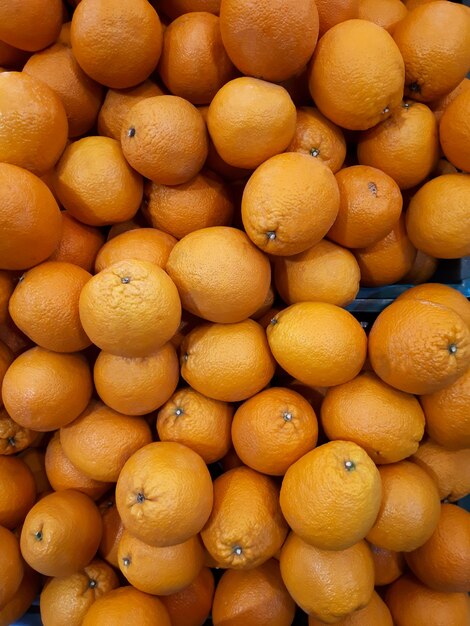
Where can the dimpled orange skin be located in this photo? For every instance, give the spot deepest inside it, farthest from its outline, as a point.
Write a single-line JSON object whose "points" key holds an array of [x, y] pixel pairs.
{"points": [[131, 308], [12, 563], [124, 605], [160, 571], [385, 13], [228, 362], [13, 437], [30, 25], [61, 533], [350, 576], [345, 85], [18, 491], [28, 590], [177, 490], [254, 36], [289, 203], [246, 526], [419, 347], [410, 508], [332, 12], [434, 64], [440, 294], [192, 606], [79, 243], [220, 275], [304, 338], [331, 496], [454, 131], [388, 565], [375, 613], [44, 390]]}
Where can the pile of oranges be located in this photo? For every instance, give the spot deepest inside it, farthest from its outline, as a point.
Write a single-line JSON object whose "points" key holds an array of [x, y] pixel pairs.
{"points": [[192, 425]]}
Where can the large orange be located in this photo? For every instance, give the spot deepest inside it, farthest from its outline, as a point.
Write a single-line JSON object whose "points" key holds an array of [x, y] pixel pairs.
{"points": [[131, 308], [454, 131], [29, 234], [228, 362], [419, 347], [164, 494], [375, 613], [13, 437], [61, 533], [192, 605], [100, 441], [410, 508], [364, 95], [44, 306], [12, 566], [289, 203], [55, 395], [246, 526], [122, 606], [405, 146], [17, 491], [117, 44], [79, 243], [30, 25], [331, 496], [21, 601], [434, 68], [257, 597], [250, 120], [387, 423], [219, 273], [273, 429], [317, 343], [388, 565], [440, 294], [305, 569]]}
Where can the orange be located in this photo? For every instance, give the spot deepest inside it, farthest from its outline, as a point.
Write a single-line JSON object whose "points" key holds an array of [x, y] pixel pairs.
{"points": [[316, 136], [370, 206], [410, 508], [318, 343], [131, 308], [273, 429], [198, 422], [412, 603], [61, 533], [250, 120], [7, 285], [34, 123], [29, 233], [419, 347], [80, 95], [100, 441], [13, 437], [160, 570], [443, 562], [385, 13], [44, 306], [112, 531], [246, 527], [53, 396], [202, 202], [440, 294], [79, 244], [144, 244], [6, 359], [11, 612], [192, 605], [17, 489], [305, 569], [331, 496], [449, 468], [12, 566], [194, 64], [332, 12], [62, 474], [95, 183], [165, 139], [118, 103], [442, 236], [388, 260], [405, 146], [454, 131], [219, 273], [267, 304], [289, 203], [366, 94], [423, 268], [434, 69], [35, 460], [164, 494], [123, 227], [388, 565], [375, 613], [228, 362], [122, 606], [256, 597], [117, 44], [137, 386], [66, 600], [447, 417], [30, 25], [439, 106], [254, 35], [387, 423], [306, 277], [12, 58]]}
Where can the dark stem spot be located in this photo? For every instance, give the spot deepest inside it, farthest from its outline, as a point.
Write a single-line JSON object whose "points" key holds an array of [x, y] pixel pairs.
{"points": [[414, 87], [38, 535], [386, 110], [179, 412], [274, 321], [287, 416], [406, 105], [452, 348], [314, 152], [21, 278], [238, 550], [125, 280], [126, 561], [11, 442], [92, 583], [373, 188], [350, 466], [131, 132], [271, 235], [140, 498], [185, 356]]}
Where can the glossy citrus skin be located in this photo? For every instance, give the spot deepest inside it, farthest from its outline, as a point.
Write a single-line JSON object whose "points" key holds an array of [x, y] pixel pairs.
{"points": [[375, 613], [192, 605], [388, 565], [18, 491], [12, 563], [124, 605]]}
